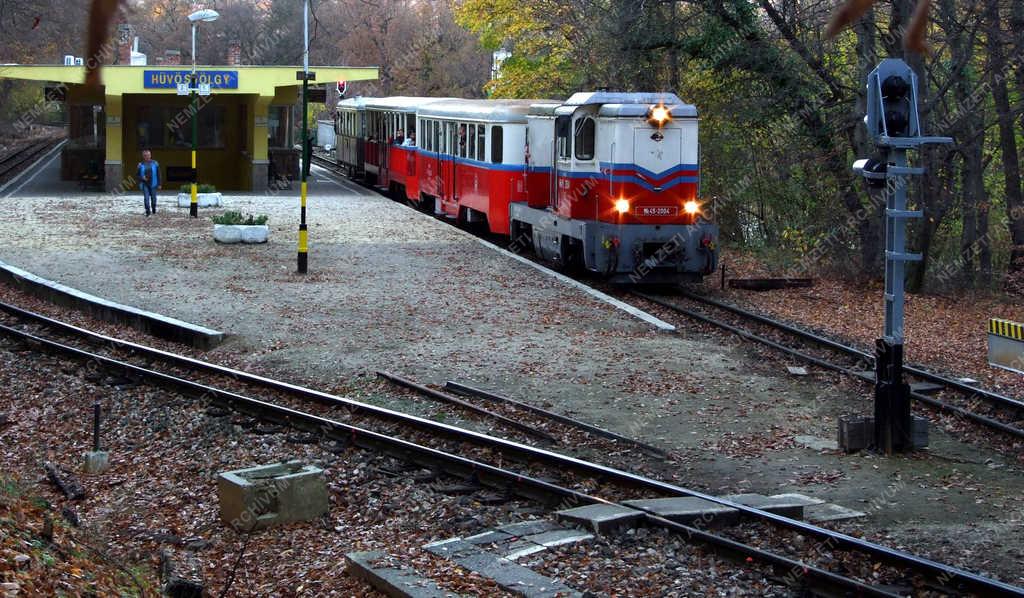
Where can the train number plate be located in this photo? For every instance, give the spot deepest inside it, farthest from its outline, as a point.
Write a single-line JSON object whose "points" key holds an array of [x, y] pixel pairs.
{"points": [[657, 211]]}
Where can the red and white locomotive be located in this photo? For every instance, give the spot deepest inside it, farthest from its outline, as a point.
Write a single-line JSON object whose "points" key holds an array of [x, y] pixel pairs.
{"points": [[604, 181]]}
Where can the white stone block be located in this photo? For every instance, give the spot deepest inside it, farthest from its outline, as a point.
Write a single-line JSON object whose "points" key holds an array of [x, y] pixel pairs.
{"points": [[203, 200], [241, 233]]}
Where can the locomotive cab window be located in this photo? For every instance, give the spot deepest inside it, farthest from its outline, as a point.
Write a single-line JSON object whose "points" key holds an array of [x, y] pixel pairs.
{"points": [[496, 142], [562, 127], [584, 139]]}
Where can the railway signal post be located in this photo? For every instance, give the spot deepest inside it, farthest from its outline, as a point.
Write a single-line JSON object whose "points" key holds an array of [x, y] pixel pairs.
{"points": [[893, 122]]}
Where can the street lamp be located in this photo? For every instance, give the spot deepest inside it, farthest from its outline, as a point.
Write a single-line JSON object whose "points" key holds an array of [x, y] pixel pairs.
{"points": [[305, 76], [199, 16]]}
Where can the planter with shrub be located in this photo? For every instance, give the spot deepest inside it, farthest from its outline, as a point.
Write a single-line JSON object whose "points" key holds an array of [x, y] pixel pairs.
{"points": [[206, 196], [233, 227]]}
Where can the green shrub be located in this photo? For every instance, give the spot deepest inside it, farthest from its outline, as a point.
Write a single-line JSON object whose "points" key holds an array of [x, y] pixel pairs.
{"points": [[232, 217]]}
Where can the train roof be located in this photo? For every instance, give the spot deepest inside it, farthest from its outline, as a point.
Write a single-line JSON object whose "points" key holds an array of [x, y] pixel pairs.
{"points": [[619, 104], [356, 103], [484, 110], [401, 103]]}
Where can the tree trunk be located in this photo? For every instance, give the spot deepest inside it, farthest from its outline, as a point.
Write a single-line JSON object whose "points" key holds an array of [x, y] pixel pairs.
{"points": [[1007, 131]]}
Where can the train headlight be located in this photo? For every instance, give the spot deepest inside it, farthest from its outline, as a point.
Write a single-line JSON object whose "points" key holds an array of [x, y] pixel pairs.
{"points": [[622, 206], [659, 116], [691, 207]]}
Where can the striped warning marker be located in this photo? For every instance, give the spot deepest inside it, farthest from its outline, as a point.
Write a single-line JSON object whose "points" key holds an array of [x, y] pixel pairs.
{"points": [[1007, 328]]}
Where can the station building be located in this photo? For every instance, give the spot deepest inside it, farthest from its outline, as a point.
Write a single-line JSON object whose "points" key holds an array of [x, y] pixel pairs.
{"points": [[246, 128]]}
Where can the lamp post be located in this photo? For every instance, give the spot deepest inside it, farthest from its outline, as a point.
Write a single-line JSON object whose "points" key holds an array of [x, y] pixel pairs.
{"points": [[200, 16], [305, 76]]}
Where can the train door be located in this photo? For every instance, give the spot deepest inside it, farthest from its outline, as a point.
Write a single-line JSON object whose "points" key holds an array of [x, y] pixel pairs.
{"points": [[448, 166], [562, 158]]}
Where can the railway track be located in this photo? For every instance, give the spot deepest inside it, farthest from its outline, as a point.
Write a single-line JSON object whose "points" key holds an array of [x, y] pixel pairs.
{"points": [[936, 391], [835, 564], [986, 408], [12, 163]]}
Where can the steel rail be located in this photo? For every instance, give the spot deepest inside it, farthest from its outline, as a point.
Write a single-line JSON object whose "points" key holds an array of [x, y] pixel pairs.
{"points": [[913, 369], [447, 398], [955, 578], [457, 465], [465, 389], [932, 402]]}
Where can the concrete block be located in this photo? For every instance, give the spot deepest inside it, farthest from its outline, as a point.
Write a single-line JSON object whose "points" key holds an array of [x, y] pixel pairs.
{"points": [[687, 510], [601, 519], [918, 431], [787, 507], [802, 498], [96, 462], [269, 495], [391, 581], [856, 432]]}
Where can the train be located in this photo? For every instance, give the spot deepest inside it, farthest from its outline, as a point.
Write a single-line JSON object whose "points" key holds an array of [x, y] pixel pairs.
{"points": [[605, 182]]}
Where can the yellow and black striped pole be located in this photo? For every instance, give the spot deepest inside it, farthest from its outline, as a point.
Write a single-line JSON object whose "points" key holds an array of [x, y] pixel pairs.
{"points": [[305, 75], [193, 206]]}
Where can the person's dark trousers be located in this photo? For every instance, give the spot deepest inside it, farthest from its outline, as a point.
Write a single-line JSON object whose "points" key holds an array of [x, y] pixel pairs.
{"points": [[149, 198]]}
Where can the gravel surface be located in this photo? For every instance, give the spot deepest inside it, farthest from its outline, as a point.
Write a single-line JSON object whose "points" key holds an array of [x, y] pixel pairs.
{"points": [[391, 289]]}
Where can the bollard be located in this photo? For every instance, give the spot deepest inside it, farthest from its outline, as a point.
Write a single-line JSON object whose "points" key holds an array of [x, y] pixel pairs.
{"points": [[96, 461], [96, 427]]}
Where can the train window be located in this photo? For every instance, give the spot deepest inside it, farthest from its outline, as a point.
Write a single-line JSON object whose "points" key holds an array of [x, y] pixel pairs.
{"points": [[471, 142], [562, 127], [584, 139], [496, 143], [449, 135], [481, 139]]}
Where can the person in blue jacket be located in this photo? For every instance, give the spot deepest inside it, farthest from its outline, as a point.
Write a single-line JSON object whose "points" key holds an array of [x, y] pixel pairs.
{"points": [[149, 177]]}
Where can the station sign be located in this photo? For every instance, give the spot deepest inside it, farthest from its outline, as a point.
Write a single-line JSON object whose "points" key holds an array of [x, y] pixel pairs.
{"points": [[172, 79]]}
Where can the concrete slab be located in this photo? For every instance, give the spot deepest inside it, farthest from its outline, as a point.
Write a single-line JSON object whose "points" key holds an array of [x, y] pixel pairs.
{"points": [[805, 500], [489, 537], [687, 509], [520, 548], [601, 519], [558, 537], [526, 528], [787, 507], [510, 576], [830, 512], [391, 581]]}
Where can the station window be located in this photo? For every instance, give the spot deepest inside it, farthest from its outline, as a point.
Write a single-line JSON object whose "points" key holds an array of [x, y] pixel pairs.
{"points": [[496, 144], [481, 141], [584, 139], [278, 120], [170, 127]]}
